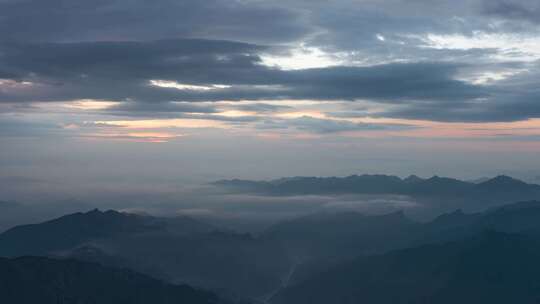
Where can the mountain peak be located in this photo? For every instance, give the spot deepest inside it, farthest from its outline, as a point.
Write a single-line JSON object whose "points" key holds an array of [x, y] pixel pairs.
{"points": [[455, 218], [412, 179], [503, 180], [96, 211], [503, 177], [69, 230], [437, 178]]}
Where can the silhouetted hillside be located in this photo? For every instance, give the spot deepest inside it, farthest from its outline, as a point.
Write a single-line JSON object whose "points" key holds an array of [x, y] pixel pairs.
{"points": [[319, 242], [180, 250], [31, 280], [218, 260], [522, 217], [74, 229], [345, 234], [490, 268]]}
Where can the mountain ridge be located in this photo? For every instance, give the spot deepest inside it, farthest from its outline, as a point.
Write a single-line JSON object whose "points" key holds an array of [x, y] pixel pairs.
{"points": [[378, 184], [492, 267], [29, 280]]}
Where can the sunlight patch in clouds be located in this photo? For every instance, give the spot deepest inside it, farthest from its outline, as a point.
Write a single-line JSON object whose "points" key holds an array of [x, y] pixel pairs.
{"points": [[302, 57], [299, 114], [489, 76], [189, 87], [88, 104], [163, 123], [513, 47], [144, 137], [236, 113], [380, 37], [14, 83]]}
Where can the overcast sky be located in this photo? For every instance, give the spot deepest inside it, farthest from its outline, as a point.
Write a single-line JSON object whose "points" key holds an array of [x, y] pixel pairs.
{"points": [[123, 94]]}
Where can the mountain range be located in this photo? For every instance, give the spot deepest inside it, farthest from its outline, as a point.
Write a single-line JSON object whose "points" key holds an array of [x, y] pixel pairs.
{"points": [[179, 250], [333, 257], [319, 242], [502, 187], [492, 267]]}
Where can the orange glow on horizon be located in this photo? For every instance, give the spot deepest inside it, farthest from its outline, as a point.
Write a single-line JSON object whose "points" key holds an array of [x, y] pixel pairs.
{"points": [[164, 123]]}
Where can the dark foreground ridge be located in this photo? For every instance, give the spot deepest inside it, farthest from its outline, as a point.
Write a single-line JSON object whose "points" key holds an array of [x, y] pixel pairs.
{"points": [[31, 280], [490, 268], [179, 250]]}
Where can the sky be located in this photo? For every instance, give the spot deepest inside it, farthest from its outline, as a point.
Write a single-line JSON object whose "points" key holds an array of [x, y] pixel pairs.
{"points": [[125, 95]]}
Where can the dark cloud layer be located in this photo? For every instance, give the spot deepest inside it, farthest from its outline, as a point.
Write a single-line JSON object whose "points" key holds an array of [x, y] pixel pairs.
{"points": [[328, 126], [517, 10], [59, 50], [123, 70], [98, 20]]}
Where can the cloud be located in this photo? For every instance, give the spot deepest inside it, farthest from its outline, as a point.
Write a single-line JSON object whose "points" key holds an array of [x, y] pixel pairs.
{"points": [[120, 70], [327, 126], [17, 127], [90, 61], [125, 70], [80, 20], [158, 109], [512, 99], [115, 51], [263, 107], [127, 73], [517, 10]]}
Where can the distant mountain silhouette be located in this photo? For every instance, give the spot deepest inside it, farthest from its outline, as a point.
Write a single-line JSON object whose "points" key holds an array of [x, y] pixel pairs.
{"points": [[498, 187], [31, 280], [479, 180], [317, 185], [413, 179], [490, 268], [439, 186], [505, 184]]}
